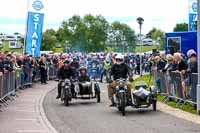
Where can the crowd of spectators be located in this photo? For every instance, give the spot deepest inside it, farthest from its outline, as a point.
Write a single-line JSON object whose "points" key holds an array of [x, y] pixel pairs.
{"points": [[185, 65]]}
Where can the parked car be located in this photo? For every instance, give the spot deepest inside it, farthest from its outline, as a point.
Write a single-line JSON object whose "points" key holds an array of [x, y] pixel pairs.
{"points": [[148, 42]]}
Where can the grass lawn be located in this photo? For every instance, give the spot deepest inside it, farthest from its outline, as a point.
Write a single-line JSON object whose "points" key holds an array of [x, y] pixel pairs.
{"points": [[145, 48], [6, 48], [146, 78]]}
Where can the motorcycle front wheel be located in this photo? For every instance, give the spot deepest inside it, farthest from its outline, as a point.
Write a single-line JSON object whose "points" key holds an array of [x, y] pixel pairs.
{"points": [[66, 101], [122, 103]]}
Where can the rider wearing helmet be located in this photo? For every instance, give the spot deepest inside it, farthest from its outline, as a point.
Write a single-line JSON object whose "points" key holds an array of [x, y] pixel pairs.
{"points": [[75, 66], [65, 72], [84, 81], [119, 70], [83, 75]]}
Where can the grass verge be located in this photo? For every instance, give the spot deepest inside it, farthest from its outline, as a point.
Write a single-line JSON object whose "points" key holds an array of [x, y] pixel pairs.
{"points": [[145, 48], [150, 81], [6, 48]]}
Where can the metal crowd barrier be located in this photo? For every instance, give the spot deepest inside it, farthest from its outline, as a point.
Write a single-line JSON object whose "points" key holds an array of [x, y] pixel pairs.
{"points": [[12, 77], [52, 72], [37, 77], [172, 85], [18, 76], [11, 81], [194, 81], [1, 86], [27, 77]]}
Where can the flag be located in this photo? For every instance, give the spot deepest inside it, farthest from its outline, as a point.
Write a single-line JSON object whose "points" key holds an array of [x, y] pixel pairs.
{"points": [[35, 18], [192, 14]]}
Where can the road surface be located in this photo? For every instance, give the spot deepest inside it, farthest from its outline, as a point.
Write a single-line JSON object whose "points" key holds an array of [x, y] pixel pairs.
{"points": [[87, 116]]}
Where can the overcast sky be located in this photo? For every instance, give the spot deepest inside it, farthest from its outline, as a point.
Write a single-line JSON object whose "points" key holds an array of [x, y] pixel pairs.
{"points": [[163, 14]]}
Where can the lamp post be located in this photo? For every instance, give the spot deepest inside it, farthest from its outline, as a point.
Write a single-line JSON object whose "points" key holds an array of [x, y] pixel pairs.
{"points": [[140, 21], [198, 47]]}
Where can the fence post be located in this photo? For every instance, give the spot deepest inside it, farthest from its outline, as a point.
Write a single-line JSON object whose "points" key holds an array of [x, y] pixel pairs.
{"points": [[198, 48], [198, 99]]}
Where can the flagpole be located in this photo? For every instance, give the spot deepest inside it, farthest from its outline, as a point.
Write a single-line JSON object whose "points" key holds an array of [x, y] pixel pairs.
{"points": [[26, 22]]}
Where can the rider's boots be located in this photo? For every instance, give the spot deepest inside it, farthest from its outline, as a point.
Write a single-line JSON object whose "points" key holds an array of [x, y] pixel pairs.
{"points": [[113, 104], [59, 92]]}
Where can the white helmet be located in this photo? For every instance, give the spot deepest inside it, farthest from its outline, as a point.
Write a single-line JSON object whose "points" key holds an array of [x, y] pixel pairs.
{"points": [[119, 56], [119, 59], [190, 52]]}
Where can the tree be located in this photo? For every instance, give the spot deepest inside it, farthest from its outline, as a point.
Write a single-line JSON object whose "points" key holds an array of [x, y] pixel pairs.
{"points": [[86, 34], [96, 32], [48, 40], [89, 34], [181, 27], [121, 36], [157, 35], [51, 32]]}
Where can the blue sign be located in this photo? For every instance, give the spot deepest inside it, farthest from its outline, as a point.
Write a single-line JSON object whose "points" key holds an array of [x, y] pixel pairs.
{"points": [[34, 33], [38, 5], [194, 7], [192, 14], [192, 20]]}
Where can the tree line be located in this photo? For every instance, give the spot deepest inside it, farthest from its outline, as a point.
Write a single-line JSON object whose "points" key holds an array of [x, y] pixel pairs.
{"points": [[94, 34], [89, 34]]}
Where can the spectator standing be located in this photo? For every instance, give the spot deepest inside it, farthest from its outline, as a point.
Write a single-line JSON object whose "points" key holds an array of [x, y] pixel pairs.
{"points": [[181, 66], [43, 70], [160, 64]]}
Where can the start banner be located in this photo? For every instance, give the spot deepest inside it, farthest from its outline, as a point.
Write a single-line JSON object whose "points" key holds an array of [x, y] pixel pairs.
{"points": [[192, 14], [35, 18]]}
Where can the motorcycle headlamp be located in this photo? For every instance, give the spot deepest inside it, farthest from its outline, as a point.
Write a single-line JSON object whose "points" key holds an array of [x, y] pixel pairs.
{"points": [[117, 87], [63, 84], [121, 84]]}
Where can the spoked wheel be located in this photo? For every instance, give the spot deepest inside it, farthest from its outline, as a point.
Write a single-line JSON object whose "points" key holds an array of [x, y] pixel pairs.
{"points": [[154, 105], [123, 112], [98, 96], [66, 101], [122, 103], [98, 93]]}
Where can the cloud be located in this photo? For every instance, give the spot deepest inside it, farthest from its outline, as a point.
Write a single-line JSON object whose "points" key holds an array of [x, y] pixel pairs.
{"points": [[163, 14]]}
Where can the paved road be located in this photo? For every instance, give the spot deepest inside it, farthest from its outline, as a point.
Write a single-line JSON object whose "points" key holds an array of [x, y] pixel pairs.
{"points": [[91, 117]]}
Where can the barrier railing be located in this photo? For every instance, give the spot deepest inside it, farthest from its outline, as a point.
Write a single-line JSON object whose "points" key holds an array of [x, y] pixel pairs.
{"points": [[27, 76], [1, 86], [11, 81], [173, 85], [18, 77], [52, 72]]}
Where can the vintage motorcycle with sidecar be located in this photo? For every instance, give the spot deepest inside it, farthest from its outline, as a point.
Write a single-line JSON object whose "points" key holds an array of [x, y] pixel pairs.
{"points": [[73, 89], [140, 97]]}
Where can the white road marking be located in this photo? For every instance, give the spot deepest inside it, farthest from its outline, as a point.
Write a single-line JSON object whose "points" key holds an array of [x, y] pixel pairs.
{"points": [[25, 111], [32, 131], [26, 119]]}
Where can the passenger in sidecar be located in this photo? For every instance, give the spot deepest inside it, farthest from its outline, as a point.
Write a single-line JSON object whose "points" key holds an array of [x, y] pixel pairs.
{"points": [[85, 86]]}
